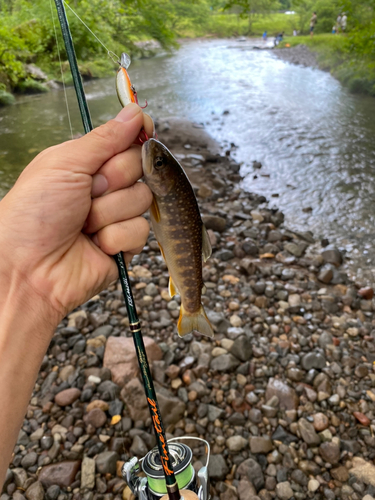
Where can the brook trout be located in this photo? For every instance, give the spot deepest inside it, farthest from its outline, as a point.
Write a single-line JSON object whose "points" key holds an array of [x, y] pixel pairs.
{"points": [[180, 232]]}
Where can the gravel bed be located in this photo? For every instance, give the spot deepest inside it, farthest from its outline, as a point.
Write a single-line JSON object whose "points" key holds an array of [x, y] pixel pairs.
{"points": [[284, 393]]}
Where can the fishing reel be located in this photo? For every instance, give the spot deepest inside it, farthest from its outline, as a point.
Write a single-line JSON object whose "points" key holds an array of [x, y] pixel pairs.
{"points": [[153, 486]]}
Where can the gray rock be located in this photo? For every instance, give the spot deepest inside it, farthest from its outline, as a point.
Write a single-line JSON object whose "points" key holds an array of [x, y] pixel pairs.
{"points": [[241, 348], [332, 255], [287, 396], [313, 360], [308, 433], [325, 275], [23, 438], [260, 444], [213, 412], [284, 490], [19, 477], [35, 491], [53, 492], [29, 460], [280, 434], [214, 222], [217, 468], [138, 447], [106, 462], [287, 274], [171, 408], [224, 254], [299, 477], [253, 471], [105, 330], [88, 473], [325, 339], [236, 443], [224, 363], [330, 452]]}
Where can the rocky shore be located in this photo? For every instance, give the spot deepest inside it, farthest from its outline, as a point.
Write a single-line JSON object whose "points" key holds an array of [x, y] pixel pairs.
{"points": [[285, 393], [300, 54]]}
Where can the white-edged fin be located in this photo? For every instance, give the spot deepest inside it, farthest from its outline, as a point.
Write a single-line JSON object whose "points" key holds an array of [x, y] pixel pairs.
{"points": [[206, 244], [199, 322], [172, 287]]}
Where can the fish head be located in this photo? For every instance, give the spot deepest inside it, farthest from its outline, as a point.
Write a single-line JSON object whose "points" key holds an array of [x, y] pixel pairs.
{"points": [[159, 167]]}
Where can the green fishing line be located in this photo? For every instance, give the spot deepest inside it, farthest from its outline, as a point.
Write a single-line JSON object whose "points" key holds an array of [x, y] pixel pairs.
{"points": [[183, 479]]}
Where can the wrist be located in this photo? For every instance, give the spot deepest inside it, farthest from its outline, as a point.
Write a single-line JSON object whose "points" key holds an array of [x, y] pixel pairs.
{"points": [[26, 327]]}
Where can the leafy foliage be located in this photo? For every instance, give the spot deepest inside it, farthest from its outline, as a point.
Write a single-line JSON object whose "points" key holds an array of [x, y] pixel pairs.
{"points": [[251, 8]]}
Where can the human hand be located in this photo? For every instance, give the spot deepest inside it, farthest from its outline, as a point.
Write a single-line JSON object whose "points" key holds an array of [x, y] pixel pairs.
{"points": [[55, 240]]}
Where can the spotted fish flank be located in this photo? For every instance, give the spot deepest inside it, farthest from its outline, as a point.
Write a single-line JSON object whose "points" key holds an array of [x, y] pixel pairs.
{"points": [[180, 232]]}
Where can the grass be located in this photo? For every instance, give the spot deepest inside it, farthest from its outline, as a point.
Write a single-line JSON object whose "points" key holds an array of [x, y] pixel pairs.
{"points": [[228, 25], [333, 54]]}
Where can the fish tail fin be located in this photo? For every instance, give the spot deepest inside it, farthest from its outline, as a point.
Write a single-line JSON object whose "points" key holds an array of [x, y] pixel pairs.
{"points": [[198, 321]]}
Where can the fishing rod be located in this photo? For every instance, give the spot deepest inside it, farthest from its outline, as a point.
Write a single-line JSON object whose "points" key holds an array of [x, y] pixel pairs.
{"points": [[162, 460]]}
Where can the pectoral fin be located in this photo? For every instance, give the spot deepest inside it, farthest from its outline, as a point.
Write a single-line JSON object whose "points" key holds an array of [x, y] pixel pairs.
{"points": [[154, 210], [206, 244], [172, 288], [199, 322]]}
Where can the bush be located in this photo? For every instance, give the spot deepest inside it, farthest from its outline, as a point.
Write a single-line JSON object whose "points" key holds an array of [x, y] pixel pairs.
{"points": [[30, 86], [6, 98]]}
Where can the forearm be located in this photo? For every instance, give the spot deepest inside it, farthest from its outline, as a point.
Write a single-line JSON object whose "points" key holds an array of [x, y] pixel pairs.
{"points": [[26, 327]]}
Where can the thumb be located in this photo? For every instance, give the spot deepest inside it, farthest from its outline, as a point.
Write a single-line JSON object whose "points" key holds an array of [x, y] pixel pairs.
{"points": [[90, 152]]}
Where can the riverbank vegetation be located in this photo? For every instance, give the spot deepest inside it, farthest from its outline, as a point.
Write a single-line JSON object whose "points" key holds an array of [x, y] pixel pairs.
{"points": [[29, 56]]}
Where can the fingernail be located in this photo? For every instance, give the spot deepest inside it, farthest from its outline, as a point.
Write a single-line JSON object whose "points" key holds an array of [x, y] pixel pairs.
{"points": [[99, 185], [127, 113]]}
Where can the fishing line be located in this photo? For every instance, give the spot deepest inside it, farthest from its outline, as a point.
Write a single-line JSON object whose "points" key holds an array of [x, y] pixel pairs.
{"points": [[110, 53], [61, 69]]}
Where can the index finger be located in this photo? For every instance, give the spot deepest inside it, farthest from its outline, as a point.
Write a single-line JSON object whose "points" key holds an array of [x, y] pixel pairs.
{"points": [[90, 152]]}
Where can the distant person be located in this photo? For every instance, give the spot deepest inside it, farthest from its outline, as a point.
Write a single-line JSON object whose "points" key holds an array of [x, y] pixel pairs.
{"points": [[278, 38], [344, 20], [264, 36], [334, 29], [295, 32], [313, 22], [338, 23]]}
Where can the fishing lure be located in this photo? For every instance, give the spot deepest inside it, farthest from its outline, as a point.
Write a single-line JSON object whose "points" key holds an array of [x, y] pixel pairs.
{"points": [[124, 88]]}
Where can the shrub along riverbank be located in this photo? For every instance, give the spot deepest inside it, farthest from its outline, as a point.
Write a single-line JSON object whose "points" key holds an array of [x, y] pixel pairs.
{"points": [[344, 57], [27, 36]]}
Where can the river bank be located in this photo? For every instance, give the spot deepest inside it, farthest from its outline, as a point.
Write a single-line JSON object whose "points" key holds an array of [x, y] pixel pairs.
{"points": [[335, 54], [284, 393]]}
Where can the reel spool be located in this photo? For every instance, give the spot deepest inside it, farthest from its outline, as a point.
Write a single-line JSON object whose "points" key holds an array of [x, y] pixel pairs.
{"points": [[153, 487]]}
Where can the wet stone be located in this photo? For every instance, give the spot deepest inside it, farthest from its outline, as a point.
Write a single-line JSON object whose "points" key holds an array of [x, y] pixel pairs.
{"points": [[106, 462]]}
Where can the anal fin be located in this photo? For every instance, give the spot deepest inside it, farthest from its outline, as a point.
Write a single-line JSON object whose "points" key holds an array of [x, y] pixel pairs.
{"points": [[172, 288]]}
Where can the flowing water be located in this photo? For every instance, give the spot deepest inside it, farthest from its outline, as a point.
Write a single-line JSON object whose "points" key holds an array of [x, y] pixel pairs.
{"points": [[314, 140]]}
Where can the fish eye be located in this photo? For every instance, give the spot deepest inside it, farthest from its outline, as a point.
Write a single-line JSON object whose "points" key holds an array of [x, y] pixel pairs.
{"points": [[159, 162]]}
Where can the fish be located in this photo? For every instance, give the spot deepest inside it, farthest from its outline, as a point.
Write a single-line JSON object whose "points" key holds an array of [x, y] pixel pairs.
{"points": [[180, 233]]}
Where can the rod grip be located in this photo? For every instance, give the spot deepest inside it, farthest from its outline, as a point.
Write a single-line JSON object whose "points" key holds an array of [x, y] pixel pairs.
{"points": [[185, 494]]}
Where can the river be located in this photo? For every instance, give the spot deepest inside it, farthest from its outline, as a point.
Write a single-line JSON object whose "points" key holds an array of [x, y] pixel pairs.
{"points": [[314, 140]]}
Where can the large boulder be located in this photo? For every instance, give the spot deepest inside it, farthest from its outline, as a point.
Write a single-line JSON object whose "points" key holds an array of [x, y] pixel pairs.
{"points": [[120, 357]]}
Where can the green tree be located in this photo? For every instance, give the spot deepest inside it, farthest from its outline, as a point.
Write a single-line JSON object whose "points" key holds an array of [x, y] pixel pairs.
{"points": [[252, 8]]}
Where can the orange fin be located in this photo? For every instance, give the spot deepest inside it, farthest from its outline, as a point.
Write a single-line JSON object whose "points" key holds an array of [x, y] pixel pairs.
{"points": [[161, 251], [172, 287], [154, 209], [199, 322]]}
